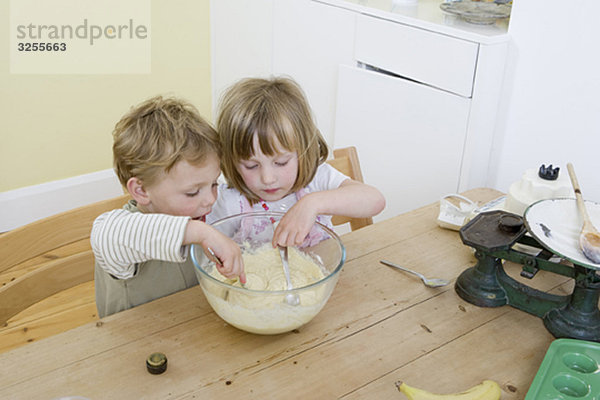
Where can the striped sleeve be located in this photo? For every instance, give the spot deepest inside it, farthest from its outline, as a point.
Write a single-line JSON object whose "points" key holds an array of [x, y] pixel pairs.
{"points": [[121, 239]]}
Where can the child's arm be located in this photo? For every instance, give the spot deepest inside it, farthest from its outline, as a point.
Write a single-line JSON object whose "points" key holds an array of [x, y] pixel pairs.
{"points": [[121, 239], [351, 199]]}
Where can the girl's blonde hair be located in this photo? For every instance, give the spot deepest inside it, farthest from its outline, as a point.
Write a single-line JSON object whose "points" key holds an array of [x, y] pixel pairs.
{"points": [[153, 136], [277, 112]]}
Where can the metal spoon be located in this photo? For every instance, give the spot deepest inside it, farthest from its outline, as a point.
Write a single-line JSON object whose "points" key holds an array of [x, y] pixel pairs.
{"points": [[291, 298], [589, 239], [430, 282]]}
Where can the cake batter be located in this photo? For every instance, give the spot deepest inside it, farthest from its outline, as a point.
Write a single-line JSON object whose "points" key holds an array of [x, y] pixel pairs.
{"points": [[261, 312]]}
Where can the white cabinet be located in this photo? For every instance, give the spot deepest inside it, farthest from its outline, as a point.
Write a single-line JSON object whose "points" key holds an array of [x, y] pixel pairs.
{"points": [[415, 91], [310, 41], [303, 39], [420, 106], [410, 137], [241, 42], [438, 60]]}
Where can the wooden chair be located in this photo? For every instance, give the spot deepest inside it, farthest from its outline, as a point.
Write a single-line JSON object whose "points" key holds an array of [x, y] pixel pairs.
{"points": [[44, 258], [346, 161]]}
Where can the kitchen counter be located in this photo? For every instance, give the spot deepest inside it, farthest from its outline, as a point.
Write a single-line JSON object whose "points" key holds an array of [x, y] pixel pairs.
{"points": [[380, 326], [426, 14]]}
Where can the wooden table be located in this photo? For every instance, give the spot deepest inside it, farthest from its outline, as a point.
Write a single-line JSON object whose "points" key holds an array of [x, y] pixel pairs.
{"points": [[380, 326]]}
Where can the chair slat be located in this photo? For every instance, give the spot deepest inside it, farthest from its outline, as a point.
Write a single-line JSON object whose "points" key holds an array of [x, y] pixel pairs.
{"points": [[47, 234], [50, 279]]}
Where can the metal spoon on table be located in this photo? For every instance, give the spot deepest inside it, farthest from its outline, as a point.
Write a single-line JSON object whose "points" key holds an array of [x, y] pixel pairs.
{"points": [[430, 282], [291, 298]]}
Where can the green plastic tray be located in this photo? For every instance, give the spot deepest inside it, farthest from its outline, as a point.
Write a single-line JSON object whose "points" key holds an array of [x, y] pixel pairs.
{"points": [[570, 370]]}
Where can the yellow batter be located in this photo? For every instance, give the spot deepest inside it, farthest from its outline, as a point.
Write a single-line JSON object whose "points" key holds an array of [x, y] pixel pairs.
{"points": [[264, 270], [262, 312]]}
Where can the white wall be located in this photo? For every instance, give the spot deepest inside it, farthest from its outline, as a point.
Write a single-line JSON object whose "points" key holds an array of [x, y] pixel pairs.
{"points": [[550, 111]]}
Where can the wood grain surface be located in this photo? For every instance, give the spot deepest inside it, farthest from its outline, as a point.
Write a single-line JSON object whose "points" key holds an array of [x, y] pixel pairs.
{"points": [[379, 326]]}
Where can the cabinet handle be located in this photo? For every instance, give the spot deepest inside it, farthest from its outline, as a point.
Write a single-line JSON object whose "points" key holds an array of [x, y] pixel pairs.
{"points": [[382, 71]]}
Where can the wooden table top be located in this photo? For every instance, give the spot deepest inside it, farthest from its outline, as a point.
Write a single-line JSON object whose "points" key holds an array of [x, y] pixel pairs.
{"points": [[380, 326]]}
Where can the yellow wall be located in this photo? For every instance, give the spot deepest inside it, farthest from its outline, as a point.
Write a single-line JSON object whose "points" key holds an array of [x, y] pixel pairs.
{"points": [[58, 126]]}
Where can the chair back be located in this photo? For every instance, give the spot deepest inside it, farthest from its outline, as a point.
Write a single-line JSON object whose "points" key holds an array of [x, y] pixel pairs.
{"points": [[48, 256], [346, 161]]}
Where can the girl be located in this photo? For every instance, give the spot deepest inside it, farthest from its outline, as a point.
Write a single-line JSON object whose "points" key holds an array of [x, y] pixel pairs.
{"points": [[273, 157]]}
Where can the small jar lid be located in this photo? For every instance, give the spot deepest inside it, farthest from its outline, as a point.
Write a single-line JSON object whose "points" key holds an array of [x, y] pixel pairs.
{"points": [[156, 363]]}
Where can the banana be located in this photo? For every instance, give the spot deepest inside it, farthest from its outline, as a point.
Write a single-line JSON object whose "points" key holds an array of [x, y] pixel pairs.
{"points": [[486, 390]]}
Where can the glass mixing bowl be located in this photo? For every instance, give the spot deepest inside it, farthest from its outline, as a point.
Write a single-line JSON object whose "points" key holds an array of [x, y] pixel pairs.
{"points": [[260, 306]]}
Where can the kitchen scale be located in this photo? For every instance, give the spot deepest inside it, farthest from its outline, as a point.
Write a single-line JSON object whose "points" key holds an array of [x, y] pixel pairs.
{"points": [[545, 238]]}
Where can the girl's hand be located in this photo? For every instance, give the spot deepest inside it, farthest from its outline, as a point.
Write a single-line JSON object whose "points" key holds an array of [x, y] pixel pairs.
{"points": [[353, 199], [296, 224]]}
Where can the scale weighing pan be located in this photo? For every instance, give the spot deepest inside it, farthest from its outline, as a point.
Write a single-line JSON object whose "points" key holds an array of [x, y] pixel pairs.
{"points": [[556, 224]]}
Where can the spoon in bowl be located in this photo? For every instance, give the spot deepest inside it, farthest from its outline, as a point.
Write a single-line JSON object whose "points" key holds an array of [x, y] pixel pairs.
{"points": [[589, 239], [291, 298], [429, 282]]}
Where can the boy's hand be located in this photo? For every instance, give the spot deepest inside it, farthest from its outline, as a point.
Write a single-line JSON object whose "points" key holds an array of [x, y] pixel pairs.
{"points": [[226, 250], [229, 256]]}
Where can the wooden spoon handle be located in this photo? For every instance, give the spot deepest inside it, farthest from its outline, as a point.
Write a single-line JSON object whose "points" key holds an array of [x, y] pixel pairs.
{"points": [[578, 196]]}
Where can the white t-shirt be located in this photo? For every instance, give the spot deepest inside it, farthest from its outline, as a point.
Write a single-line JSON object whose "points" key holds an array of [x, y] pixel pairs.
{"points": [[231, 201]]}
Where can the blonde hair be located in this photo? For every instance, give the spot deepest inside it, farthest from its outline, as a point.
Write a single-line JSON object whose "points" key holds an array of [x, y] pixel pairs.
{"points": [[277, 112], [153, 136]]}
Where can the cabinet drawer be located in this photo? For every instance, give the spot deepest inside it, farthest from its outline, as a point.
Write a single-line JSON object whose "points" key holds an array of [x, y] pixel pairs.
{"points": [[431, 58]]}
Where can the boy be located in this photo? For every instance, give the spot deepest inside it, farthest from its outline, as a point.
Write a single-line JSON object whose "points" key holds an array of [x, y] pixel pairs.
{"points": [[167, 157]]}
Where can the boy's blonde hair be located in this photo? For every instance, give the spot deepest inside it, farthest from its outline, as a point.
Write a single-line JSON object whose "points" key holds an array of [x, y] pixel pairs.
{"points": [[153, 136], [277, 112]]}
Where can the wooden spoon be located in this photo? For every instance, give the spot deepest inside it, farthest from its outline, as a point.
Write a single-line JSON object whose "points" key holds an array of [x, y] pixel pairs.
{"points": [[589, 239]]}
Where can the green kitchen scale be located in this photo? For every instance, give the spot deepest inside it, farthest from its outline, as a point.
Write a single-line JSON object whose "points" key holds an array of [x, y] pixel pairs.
{"points": [[545, 238]]}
